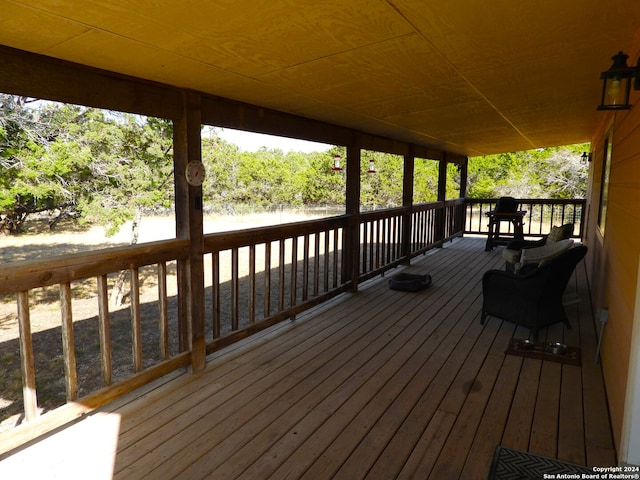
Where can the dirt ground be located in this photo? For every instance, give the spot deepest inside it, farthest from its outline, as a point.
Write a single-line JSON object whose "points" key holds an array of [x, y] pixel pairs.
{"points": [[39, 242]]}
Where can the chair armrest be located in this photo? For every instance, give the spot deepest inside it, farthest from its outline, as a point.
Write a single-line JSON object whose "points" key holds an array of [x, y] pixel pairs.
{"points": [[504, 283]]}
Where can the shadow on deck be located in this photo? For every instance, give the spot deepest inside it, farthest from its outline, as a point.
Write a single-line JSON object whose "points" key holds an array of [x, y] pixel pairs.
{"points": [[376, 384]]}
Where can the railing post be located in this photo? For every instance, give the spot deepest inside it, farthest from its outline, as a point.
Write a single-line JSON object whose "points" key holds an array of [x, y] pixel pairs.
{"points": [[407, 203], [442, 196], [187, 147], [464, 175]]}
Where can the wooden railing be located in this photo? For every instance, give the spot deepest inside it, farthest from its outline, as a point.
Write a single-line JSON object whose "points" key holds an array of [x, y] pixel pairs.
{"points": [[542, 214], [104, 376], [253, 279], [263, 275]]}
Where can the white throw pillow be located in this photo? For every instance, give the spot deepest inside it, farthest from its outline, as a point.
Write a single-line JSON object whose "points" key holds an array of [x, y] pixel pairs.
{"points": [[544, 253]]}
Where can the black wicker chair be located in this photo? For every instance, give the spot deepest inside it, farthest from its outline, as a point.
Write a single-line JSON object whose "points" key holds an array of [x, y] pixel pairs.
{"points": [[533, 299]]}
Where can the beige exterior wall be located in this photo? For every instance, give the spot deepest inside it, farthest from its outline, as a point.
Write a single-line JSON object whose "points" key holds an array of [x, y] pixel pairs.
{"points": [[613, 254]]}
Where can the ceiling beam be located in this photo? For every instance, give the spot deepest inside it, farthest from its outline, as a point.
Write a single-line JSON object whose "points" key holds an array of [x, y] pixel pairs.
{"points": [[39, 76]]}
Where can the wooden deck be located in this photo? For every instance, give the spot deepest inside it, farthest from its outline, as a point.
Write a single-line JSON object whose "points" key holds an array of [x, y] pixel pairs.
{"points": [[378, 384]]}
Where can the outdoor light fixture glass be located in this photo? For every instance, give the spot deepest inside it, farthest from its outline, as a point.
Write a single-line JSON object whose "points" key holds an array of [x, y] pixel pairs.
{"points": [[372, 167], [336, 163], [616, 83]]}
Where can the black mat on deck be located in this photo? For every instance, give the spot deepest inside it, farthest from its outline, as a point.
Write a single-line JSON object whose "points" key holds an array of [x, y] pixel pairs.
{"points": [[508, 464]]}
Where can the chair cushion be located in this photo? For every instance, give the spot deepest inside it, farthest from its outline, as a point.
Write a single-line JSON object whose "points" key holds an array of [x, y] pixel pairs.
{"points": [[545, 253], [511, 255]]}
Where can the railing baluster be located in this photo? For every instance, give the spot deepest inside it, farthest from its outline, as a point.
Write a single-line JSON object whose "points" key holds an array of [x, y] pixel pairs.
{"points": [[294, 271], [235, 294], [281, 263], [305, 267], [375, 244], [136, 324], [326, 260], [68, 351], [365, 242], [267, 279], [163, 311], [105, 329], [384, 241], [29, 396], [215, 294], [316, 263], [336, 266], [252, 283]]}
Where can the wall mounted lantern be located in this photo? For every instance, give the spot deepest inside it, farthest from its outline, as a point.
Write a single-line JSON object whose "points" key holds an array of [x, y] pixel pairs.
{"points": [[585, 157], [336, 163], [372, 167], [616, 83]]}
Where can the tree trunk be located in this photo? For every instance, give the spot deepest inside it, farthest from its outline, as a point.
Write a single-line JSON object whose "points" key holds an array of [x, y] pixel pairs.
{"points": [[117, 292]]}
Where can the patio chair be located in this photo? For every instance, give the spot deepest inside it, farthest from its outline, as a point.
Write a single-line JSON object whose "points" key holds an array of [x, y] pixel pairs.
{"points": [[506, 210], [532, 299]]}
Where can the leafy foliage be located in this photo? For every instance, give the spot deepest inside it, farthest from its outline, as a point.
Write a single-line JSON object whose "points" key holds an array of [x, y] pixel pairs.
{"points": [[85, 163], [556, 172], [107, 167]]}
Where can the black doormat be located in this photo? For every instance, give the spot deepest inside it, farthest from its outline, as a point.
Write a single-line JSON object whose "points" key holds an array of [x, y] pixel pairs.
{"points": [[571, 355], [508, 464], [409, 282]]}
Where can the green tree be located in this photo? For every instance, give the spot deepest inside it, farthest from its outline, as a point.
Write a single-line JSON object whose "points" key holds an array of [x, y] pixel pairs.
{"points": [[40, 169], [382, 189], [132, 168], [425, 180], [555, 172], [320, 184]]}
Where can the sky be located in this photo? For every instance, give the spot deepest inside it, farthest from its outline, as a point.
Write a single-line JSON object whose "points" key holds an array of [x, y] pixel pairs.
{"points": [[251, 142]]}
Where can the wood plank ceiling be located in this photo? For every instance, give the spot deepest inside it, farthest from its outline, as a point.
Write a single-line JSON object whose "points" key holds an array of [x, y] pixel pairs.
{"points": [[473, 77]]}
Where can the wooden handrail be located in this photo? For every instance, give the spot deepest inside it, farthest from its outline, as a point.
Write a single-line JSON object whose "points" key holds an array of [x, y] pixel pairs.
{"points": [[275, 273], [29, 274], [542, 214]]}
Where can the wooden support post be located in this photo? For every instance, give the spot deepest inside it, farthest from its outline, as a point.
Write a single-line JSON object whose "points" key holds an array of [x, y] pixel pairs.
{"points": [[464, 172], [68, 344], [351, 238], [27, 363], [105, 330], [407, 203], [187, 147], [442, 196]]}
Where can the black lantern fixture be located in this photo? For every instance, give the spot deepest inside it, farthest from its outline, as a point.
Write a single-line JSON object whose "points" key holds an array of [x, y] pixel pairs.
{"points": [[617, 83], [585, 157]]}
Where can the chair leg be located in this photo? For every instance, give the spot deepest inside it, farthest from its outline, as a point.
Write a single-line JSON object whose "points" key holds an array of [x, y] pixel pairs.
{"points": [[483, 317]]}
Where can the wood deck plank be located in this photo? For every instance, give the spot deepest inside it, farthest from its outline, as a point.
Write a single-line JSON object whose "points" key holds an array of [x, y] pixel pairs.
{"points": [[545, 419], [372, 335], [599, 450], [263, 387], [302, 457], [373, 384], [493, 420], [226, 374]]}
